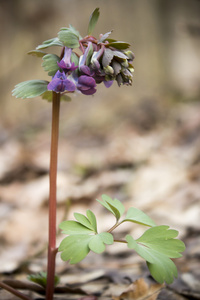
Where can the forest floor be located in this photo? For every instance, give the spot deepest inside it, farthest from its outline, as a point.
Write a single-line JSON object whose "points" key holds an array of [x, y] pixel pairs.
{"points": [[148, 157]]}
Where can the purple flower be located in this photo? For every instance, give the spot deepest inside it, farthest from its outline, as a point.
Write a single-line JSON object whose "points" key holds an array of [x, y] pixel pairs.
{"points": [[86, 85], [66, 63], [60, 83], [87, 71], [108, 83], [84, 57]]}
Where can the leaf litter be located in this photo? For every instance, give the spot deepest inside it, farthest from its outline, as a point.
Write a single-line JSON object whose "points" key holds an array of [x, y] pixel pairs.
{"points": [[154, 168]]}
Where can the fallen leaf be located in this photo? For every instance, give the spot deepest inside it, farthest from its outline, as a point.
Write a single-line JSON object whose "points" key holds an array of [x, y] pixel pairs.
{"points": [[140, 290]]}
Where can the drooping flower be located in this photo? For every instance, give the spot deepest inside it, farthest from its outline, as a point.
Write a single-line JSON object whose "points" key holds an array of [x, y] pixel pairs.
{"points": [[86, 85], [65, 64], [84, 59], [61, 83], [108, 83]]}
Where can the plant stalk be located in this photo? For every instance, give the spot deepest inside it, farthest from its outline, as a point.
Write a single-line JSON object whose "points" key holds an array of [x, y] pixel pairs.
{"points": [[113, 227], [52, 250], [14, 291]]}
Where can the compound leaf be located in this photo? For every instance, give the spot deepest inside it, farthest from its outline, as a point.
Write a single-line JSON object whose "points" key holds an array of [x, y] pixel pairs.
{"points": [[68, 38], [30, 89], [118, 45], [50, 43], [98, 241], [113, 205], [65, 98], [96, 244], [72, 30], [92, 219], [137, 216], [161, 239], [160, 266], [48, 95], [50, 63], [75, 247], [107, 238], [93, 20], [142, 251], [37, 53], [73, 227], [164, 270], [157, 245], [85, 221]]}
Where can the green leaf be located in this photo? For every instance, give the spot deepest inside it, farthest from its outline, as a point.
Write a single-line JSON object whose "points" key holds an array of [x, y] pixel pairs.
{"points": [[98, 241], [41, 278], [50, 43], [73, 30], [65, 98], [157, 245], [85, 221], [93, 20], [68, 38], [104, 37], [111, 40], [75, 248], [118, 45], [37, 53], [92, 219], [107, 238], [160, 266], [137, 216], [73, 227], [142, 251], [48, 95], [161, 238], [96, 244], [50, 64], [30, 89], [114, 206], [164, 270]]}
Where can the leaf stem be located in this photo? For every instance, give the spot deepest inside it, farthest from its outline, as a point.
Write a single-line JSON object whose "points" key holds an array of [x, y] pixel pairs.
{"points": [[121, 241], [14, 291], [52, 250], [113, 227]]}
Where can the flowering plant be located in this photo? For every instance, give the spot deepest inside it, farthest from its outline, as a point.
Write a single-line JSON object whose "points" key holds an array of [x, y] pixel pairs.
{"points": [[96, 61], [82, 65]]}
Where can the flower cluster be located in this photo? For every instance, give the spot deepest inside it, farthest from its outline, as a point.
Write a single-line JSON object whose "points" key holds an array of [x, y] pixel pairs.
{"points": [[83, 63], [101, 61]]}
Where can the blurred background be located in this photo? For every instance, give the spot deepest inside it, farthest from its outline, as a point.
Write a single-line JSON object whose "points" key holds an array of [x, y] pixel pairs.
{"points": [[164, 35], [140, 143]]}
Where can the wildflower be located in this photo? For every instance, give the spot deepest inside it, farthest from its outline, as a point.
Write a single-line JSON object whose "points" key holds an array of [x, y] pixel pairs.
{"points": [[61, 83], [86, 85], [85, 58], [65, 64]]}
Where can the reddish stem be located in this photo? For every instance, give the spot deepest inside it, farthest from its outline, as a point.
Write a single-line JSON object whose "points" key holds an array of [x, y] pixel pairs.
{"points": [[52, 250], [14, 291]]}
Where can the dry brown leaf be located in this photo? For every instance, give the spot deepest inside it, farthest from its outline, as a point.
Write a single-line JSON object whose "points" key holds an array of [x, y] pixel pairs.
{"points": [[140, 290]]}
